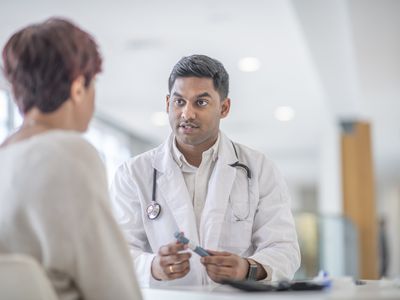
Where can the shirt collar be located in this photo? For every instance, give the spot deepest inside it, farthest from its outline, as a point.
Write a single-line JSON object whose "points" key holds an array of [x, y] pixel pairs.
{"points": [[180, 158]]}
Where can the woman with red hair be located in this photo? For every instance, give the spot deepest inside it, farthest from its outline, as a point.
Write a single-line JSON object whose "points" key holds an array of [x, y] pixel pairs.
{"points": [[54, 197]]}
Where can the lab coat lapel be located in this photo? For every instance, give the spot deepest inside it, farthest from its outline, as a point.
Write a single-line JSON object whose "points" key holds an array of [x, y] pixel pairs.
{"points": [[219, 190], [172, 187]]}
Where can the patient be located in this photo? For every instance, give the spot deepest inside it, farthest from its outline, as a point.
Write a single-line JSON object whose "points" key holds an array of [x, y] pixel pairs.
{"points": [[53, 190]]}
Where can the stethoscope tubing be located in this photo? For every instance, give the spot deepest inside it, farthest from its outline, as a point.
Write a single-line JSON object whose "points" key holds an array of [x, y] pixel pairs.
{"points": [[154, 209]]}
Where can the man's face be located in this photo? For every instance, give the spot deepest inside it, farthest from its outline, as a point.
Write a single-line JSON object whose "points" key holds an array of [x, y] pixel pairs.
{"points": [[195, 109]]}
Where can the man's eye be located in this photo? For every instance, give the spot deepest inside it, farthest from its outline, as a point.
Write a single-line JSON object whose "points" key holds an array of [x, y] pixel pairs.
{"points": [[179, 102], [202, 102]]}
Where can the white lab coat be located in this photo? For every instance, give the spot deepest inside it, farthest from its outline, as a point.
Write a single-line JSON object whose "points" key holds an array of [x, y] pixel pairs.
{"points": [[268, 235]]}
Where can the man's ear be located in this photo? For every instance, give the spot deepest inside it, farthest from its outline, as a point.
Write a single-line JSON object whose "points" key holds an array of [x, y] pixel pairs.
{"points": [[167, 103], [225, 107], [78, 89]]}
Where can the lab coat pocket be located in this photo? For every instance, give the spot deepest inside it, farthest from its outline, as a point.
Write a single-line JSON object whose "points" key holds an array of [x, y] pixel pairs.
{"points": [[240, 199], [236, 236], [237, 226], [238, 222]]}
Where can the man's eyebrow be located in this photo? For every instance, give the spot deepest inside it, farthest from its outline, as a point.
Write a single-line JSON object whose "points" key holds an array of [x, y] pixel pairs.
{"points": [[177, 94], [205, 94]]}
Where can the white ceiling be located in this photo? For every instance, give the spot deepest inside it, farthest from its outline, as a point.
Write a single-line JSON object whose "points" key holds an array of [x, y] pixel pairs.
{"points": [[327, 59]]}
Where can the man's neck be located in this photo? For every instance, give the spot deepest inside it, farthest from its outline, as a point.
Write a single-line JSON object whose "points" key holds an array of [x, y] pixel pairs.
{"points": [[194, 154]]}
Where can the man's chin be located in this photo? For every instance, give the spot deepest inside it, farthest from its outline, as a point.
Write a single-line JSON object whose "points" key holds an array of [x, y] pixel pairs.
{"points": [[187, 140]]}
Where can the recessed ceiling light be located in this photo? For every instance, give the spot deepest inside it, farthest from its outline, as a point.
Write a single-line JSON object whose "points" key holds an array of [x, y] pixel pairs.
{"points": [[249, 64], [160, 118], [148, 43], [284, 113]]}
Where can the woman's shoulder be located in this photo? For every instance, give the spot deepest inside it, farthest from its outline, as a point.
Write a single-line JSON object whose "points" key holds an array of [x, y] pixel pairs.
{"points": [[56, 169], [55, 149], [72, 150], [67, 140], [67, 144]]}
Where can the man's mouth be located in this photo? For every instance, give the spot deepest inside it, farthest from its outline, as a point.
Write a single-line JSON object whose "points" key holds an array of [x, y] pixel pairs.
{"points": [[188, 125], [188, 128]]}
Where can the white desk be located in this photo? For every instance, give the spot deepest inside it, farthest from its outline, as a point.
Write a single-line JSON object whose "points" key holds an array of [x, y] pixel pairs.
{"points": [[373, 290]]}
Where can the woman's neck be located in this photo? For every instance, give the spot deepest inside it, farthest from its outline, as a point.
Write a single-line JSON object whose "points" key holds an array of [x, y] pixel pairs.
{"points": [[59, 119], [35, 122]]}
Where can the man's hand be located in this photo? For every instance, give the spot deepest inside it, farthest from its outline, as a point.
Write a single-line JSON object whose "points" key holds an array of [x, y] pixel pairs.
{"points": [[169, 264], [225, 265]]}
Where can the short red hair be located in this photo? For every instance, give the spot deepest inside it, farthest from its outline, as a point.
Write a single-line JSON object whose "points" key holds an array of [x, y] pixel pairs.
{"points": [[42, 60]]}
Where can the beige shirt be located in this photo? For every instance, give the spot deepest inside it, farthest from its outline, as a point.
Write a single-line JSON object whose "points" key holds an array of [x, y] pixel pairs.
{"points": [[196, 179], [55, 208]]}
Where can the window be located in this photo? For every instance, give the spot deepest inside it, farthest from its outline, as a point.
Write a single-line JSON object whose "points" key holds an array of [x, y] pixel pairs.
{"points": [[114, 144], [4, 103], [113, 148]]}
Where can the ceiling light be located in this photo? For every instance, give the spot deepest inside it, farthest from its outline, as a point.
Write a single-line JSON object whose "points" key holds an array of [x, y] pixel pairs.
{"points": [[160, 118], [137, 44], [249, 64], [284, 113]]}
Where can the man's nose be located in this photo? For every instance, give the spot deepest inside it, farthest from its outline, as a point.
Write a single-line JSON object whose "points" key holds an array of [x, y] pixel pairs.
{"points": [[188, 112]]}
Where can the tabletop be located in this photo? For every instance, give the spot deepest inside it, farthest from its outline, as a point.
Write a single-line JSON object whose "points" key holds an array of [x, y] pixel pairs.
{"points": [[340, 290]]}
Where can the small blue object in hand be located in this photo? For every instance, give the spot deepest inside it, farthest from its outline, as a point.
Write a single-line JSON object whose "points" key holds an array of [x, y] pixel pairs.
{"points": [[180, 237]]}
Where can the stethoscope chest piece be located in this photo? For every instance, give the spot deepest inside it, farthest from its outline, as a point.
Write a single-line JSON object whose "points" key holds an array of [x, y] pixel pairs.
{"points": [[153, 210]]}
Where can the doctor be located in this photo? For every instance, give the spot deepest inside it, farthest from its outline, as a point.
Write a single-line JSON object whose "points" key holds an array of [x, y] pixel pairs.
{"points": [[225, 197]]}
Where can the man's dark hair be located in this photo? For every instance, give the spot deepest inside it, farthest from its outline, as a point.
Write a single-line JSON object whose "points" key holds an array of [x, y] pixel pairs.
{"points": [[42, 60], [201, 66]]}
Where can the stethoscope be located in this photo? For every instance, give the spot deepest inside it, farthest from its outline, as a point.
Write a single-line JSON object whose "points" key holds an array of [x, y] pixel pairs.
{"points": [[154, 209]]}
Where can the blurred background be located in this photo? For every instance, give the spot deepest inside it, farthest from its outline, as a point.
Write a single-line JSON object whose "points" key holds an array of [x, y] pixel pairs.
{"points": [[315, 85]]}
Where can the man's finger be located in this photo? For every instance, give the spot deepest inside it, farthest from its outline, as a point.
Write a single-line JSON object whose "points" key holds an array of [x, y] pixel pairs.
{"points": [[177, 271], [218, 260], [174, 259], [220, 271], [172, 248], [219, 253], [178, 268]]}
